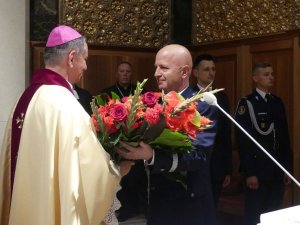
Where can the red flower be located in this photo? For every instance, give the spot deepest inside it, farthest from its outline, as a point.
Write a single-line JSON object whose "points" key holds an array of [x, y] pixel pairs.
{"points": [[150, 99], [110, 125], [152, 116], [97, 128], [137, 124], [103, 111], [172, 99], [190, 128], [174, 122], [118, 112], [158, 107]]}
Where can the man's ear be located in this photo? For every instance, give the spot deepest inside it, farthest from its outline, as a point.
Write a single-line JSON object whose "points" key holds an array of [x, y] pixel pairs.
{"points": [[185, 71], [254, 78], [71, 57]]}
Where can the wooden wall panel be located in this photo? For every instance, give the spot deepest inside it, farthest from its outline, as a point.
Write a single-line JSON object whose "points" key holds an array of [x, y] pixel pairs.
{"points": [[102, 68], [226, 78]]}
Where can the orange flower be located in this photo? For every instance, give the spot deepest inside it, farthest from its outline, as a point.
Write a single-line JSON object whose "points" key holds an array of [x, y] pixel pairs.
{"points": [[204, 121], [97, 128], [110, 125], [172, 99]]}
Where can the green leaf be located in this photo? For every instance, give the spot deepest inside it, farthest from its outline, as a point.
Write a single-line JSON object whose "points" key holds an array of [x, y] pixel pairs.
{"points": [[196, 120], [115, 96], [99, 100], [172, 138]]}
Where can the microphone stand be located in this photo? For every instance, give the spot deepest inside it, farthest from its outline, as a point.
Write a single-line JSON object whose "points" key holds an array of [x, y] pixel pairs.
{"points": [[214, 102]]}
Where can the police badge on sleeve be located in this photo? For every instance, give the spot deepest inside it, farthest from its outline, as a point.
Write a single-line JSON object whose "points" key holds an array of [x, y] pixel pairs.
{"points": [[241, 110]]}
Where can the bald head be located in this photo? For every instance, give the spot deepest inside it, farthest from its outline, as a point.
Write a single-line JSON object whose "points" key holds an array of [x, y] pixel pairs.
{"points": [[173, 67]]}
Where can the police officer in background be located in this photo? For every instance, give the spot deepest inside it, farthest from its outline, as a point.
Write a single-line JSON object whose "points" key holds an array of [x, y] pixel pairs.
{"points": [[262, 114], [204, 70]]}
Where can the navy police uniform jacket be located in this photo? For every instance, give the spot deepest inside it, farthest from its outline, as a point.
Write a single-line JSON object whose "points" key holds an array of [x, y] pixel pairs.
{"points": [[266, 122], [190, 203], [197, 162]]}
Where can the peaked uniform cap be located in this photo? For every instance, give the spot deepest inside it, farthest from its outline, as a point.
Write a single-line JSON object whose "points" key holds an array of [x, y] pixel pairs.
{"points": [[61, 35]]}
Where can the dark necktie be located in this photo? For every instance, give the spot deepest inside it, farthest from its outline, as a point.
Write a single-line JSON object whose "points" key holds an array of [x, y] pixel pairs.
{"points": [[268, 97]]}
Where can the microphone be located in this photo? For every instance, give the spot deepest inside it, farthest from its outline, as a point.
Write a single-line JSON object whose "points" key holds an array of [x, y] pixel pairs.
{"points": [[211, 99]]}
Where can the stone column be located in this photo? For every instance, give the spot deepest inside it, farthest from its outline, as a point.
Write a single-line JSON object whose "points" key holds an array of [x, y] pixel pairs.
{"points": [[14, 55]]}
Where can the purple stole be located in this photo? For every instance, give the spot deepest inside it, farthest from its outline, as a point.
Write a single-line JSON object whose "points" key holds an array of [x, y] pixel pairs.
{"points": [[40, 77]]}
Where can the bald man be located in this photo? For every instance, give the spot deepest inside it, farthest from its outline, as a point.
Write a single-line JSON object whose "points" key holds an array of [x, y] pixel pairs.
{"points": [[170, 201]]}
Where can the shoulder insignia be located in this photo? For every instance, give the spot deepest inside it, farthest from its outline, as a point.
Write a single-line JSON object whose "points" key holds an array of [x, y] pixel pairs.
{"points": [[241, 110]]}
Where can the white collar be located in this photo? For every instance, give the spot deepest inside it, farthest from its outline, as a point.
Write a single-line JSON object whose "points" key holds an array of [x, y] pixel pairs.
{"points": [[200, 87], [73, 90], [180, 92], [261, 93]]}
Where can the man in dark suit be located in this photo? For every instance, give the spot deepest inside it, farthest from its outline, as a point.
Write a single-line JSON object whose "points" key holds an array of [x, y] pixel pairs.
{"points": [[84, 97], [133, 195], [170, 201], [123, 86], [221, 162], [262, 114]]}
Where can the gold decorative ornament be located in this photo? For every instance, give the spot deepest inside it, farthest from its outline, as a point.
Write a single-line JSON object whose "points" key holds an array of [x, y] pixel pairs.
{"points": [[136, 23], [216, 21]]}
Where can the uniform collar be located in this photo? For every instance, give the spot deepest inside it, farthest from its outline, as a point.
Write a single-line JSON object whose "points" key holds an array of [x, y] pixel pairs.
{"points": [[200, 87], [261, 93], [183, 90]]}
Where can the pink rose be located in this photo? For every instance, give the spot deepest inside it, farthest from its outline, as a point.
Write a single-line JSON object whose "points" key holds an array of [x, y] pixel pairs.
{"points": [[149, 99], [118, 112], [124, 99], [152, 116]]}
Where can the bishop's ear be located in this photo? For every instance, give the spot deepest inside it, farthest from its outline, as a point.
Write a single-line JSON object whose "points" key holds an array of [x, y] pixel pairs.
{"points": [[71, 57]]}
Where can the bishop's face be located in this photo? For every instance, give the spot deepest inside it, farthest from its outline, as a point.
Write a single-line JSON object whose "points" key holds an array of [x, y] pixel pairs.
{"points": [[79, 65]]}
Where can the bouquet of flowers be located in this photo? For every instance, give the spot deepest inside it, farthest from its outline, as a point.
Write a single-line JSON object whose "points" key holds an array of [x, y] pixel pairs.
{"points": [[165, 121]]}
